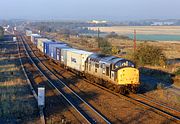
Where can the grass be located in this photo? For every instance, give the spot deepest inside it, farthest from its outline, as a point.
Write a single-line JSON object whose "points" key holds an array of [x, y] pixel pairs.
{"points": [[12, 105], [17, 104]]}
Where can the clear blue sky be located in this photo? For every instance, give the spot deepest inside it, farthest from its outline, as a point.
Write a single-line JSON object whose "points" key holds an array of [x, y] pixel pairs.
{"points": [[116, 10]]}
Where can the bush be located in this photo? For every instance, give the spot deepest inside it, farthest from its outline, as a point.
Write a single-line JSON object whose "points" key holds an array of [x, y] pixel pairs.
{"points": [[115, 50], [149, 55]]}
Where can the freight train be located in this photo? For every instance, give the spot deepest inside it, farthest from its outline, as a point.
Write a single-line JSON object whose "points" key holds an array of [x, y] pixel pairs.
{"points": [[115, 73]]}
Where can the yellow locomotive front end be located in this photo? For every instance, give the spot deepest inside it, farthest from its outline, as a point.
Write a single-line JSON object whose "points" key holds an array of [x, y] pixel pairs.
{"points": [[129, 77]]}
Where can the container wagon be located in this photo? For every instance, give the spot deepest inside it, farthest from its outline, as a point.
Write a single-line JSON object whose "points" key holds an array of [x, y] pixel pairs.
{"points": [[52, 49], [57, 52], [76, 59], [40, 43]]}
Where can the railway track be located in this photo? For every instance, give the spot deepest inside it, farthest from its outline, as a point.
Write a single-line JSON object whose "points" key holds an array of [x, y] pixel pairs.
{"points": [[170, 113], [25, 73], [37, 79], [170, 110], [41, 112], [90, 114]]}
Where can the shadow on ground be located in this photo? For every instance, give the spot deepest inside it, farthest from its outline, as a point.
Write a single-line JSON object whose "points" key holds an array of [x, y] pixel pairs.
{"points": [[152, 79]]}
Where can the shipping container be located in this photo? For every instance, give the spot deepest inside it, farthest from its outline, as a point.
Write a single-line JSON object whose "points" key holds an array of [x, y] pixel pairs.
{"points": [[40, 43], [57, 52], [46, 46], [64, 55], [52, 49], [76, 59]]}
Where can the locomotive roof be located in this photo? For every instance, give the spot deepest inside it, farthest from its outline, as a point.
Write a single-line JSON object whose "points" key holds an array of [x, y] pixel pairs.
{"points": [[105, 58]]}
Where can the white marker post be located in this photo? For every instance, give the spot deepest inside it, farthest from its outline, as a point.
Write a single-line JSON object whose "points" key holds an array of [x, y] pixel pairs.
{"points": [[14, 39], [41, 103], [41, 97]]}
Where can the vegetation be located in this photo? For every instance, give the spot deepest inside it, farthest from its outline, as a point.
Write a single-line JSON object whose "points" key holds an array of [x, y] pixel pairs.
{"points": [[106, 47], [115, 35], [177, 71], [11, 101], [70, 28], [17, 105], [1, 32], [149, 55]]}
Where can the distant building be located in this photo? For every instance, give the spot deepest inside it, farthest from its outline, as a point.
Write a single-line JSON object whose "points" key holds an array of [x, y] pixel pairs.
{"points": [[97, 22], [162, 23], [6, 28]]}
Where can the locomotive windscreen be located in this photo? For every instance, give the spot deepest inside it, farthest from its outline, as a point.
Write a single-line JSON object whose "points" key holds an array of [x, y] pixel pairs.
{"points": [[124, 63]]}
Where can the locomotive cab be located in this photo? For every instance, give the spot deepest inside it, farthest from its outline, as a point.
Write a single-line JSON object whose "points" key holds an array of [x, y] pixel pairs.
{"points": [[125, 74], [128, 75]]}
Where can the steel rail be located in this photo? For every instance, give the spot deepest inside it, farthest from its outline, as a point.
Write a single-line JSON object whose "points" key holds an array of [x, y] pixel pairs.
{"points": [[86, 117]]}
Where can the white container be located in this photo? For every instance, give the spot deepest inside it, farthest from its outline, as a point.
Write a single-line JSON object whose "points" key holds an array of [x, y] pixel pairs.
{"points": [[76, 59], [40, 43]]}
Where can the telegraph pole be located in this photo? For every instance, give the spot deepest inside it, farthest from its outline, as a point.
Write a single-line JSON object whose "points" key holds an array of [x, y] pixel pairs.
{"points": [[98, 38], [98, 33], [134, 40]]}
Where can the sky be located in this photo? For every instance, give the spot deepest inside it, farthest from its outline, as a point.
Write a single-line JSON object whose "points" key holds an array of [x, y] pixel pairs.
{"points": [[112, 10]]}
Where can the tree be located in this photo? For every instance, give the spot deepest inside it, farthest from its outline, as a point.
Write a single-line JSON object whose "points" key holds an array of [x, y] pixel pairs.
{"points": [[104, 45], [149, 55]]}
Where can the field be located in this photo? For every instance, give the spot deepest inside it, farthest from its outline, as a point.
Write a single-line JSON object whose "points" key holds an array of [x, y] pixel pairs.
{"points": [[17, 104], [123, 30]]}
